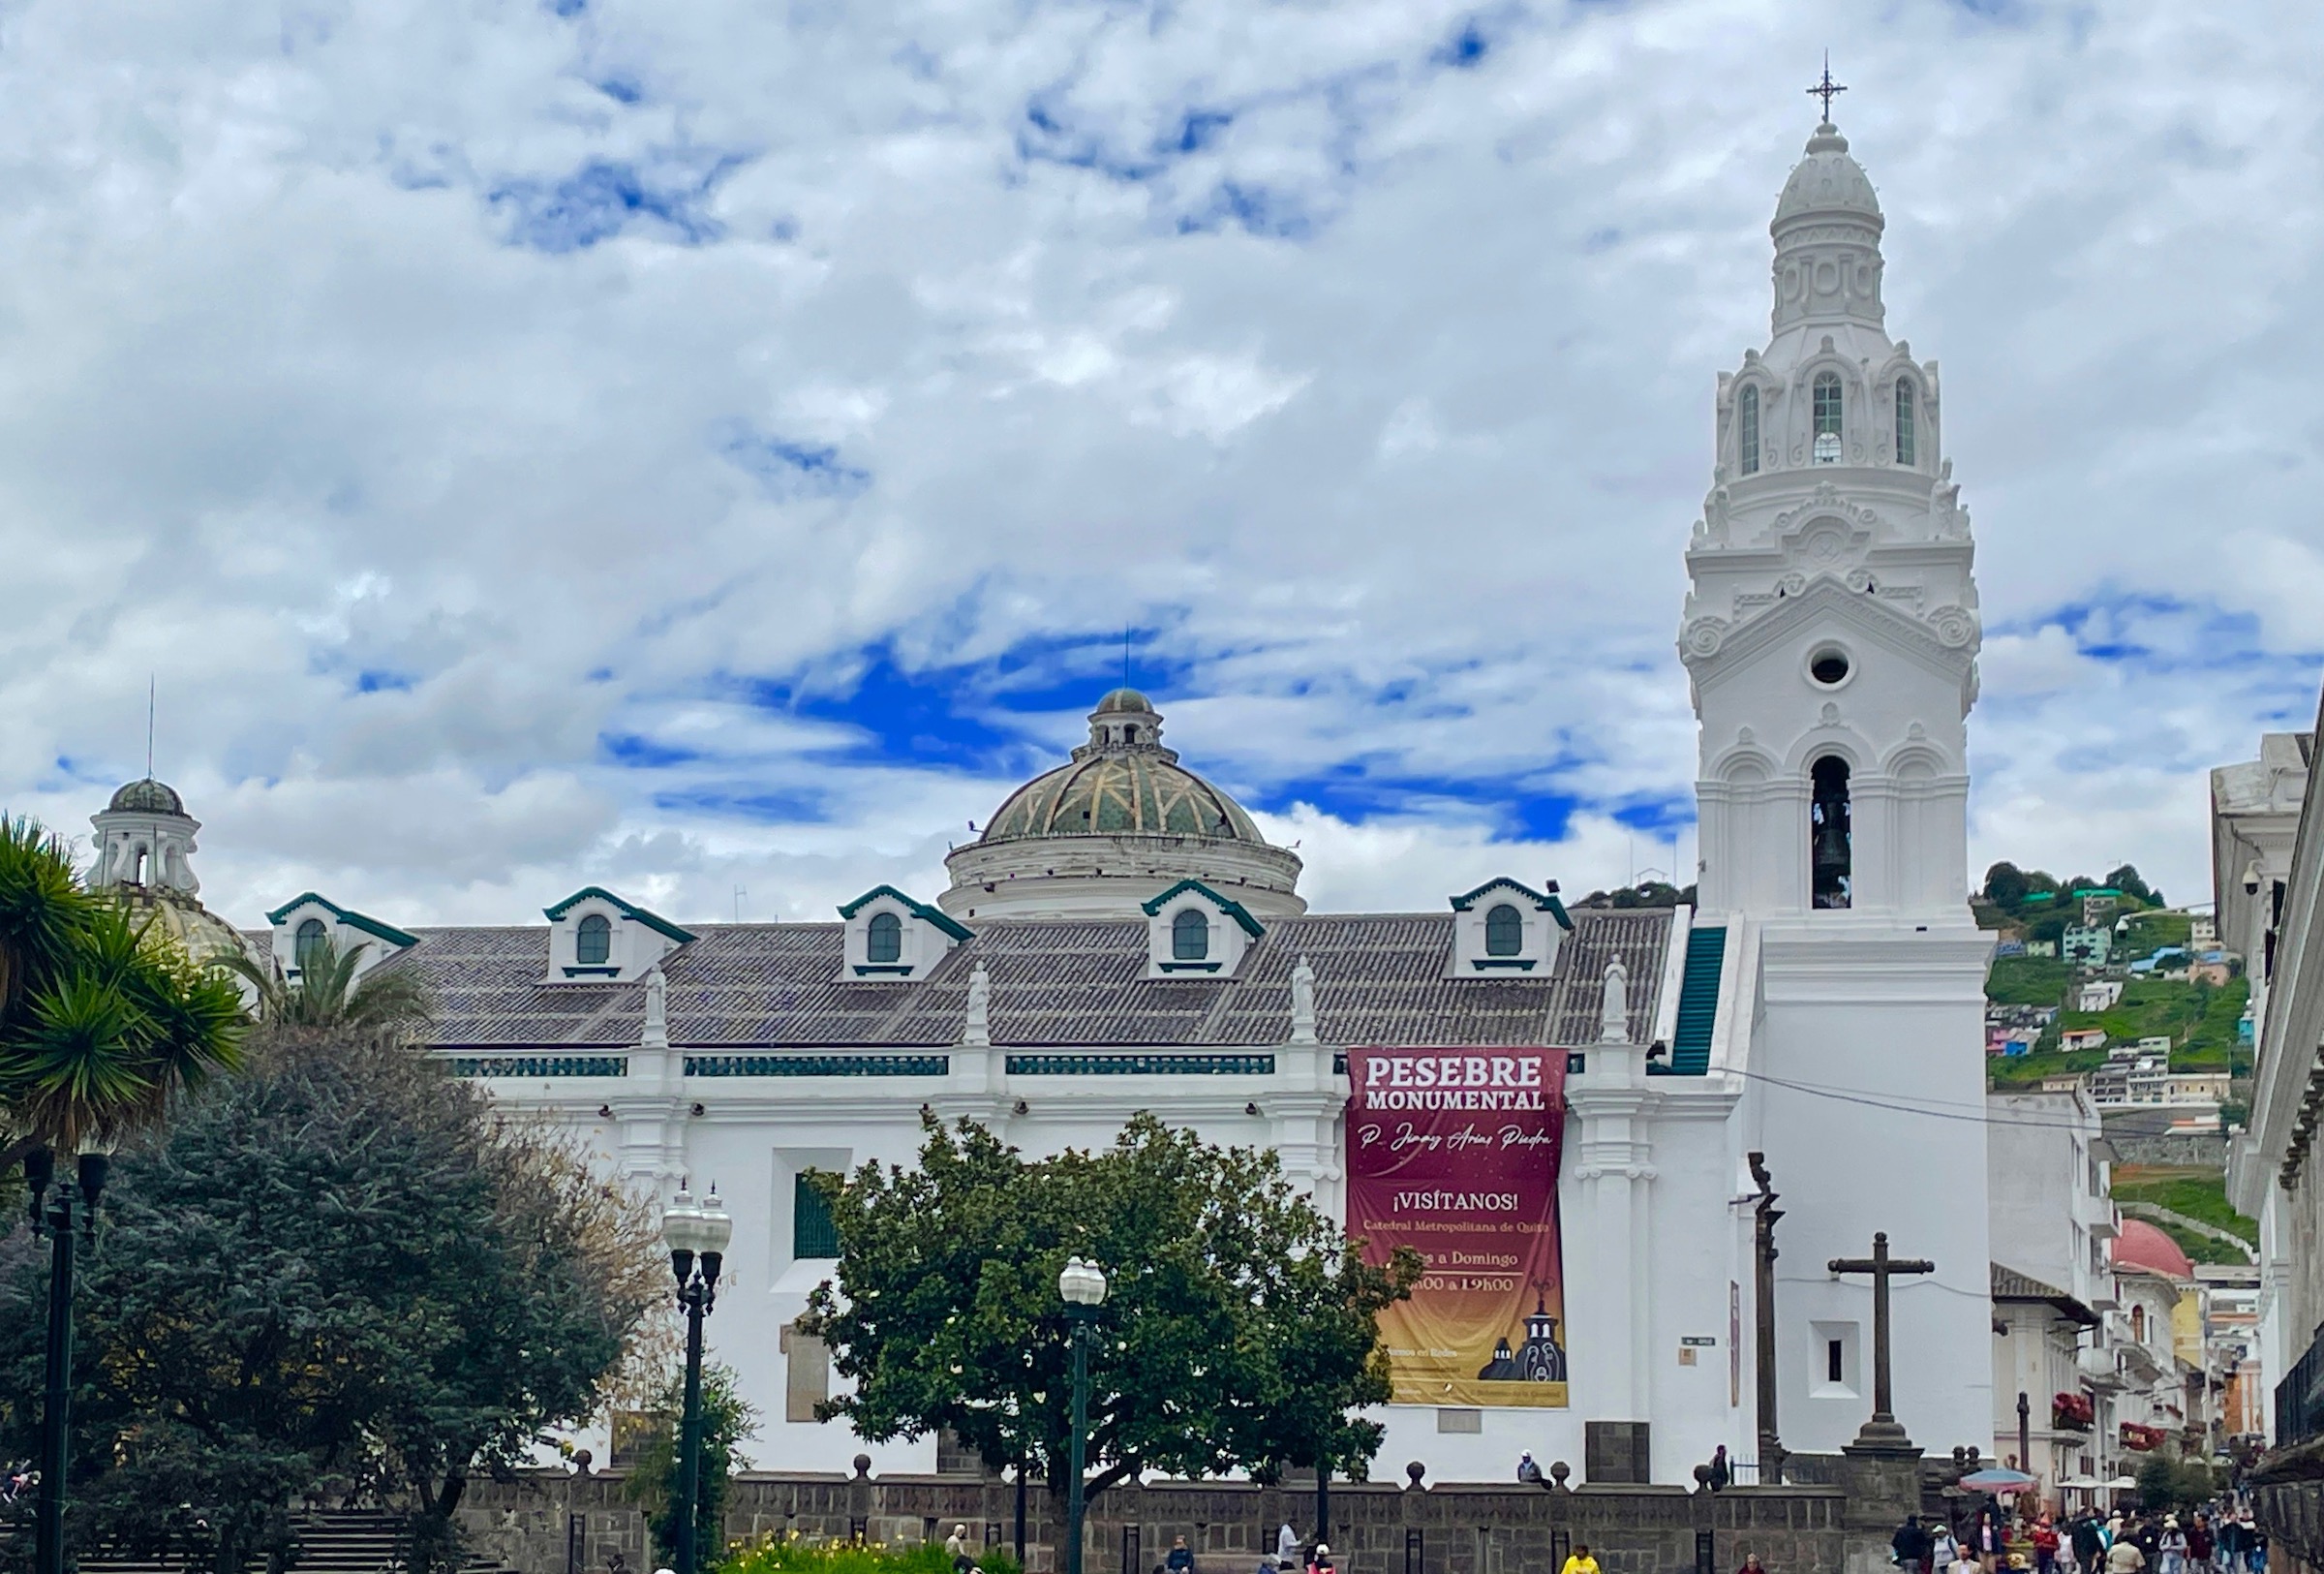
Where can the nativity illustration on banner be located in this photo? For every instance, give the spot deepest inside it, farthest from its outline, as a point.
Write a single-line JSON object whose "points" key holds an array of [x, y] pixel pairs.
{"points": [[1454, 1152]]}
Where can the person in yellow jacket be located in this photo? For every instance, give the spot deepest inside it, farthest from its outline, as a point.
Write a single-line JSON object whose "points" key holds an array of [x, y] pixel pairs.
{"points": [[1580, 1562]]}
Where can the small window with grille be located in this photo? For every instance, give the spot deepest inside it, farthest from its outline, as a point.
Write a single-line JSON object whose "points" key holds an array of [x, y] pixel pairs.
{"points": [[813, 1234]]}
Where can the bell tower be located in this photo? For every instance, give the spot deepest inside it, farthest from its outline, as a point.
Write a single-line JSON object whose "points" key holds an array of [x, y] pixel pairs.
{"points": [[1830, 639], [1831, 632]]}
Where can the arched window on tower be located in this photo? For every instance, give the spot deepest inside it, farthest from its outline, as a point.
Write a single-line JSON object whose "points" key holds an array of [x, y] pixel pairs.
{"points": [[1905, 444], [1189, 936], [313, 940], [593, 942], [1503, 931], [1747, 430], [1831, 869], [884, 942], [1828, 417]]}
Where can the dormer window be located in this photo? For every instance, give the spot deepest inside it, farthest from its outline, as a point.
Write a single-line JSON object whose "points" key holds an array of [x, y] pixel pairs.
{"points": [[1827, 400], [1504, 927], [597, 937], [307, 926], [314, 937], [1504, 930], [890, 937], [1190, 936], [1195, 933]]}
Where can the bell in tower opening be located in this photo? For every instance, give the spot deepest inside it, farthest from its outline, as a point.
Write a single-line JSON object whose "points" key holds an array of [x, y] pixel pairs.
{"points": [[1831, 865]]}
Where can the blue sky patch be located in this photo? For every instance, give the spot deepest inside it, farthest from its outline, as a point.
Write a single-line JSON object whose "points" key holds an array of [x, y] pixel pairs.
{"points": [[788, 468], [606, 197]]}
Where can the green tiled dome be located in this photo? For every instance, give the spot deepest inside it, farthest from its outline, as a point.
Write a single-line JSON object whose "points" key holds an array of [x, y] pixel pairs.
{"points": [[149, 797], [1122, 782]]}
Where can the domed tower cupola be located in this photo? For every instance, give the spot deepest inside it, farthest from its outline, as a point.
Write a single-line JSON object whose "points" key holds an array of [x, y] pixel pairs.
{"points": [[1827, 240], [1125, 719], [145, 839], [1119, 823]]}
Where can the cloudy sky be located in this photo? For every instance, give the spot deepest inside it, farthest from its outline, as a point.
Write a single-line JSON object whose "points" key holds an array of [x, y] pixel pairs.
{"points": [[705, 445]]}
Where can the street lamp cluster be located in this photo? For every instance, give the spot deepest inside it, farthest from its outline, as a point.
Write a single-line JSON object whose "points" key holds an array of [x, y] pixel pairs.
{"points": [[696, 1234]]}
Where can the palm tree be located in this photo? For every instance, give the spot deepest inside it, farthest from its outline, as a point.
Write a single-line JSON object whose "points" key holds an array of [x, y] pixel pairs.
{"points": [[389, 1003], [102, 1019]]}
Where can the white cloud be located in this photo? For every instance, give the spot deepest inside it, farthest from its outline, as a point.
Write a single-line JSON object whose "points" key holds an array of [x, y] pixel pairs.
{"points": [[429, 394]]}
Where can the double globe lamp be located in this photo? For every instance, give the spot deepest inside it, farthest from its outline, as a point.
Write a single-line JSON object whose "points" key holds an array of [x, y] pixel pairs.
{"points": [[696, 1234], [1082, 1284]]}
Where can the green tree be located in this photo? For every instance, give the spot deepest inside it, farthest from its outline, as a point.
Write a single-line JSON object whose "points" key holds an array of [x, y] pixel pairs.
{"points": [[1240, 1330], [337, 1274], [2125, 880], [728, 1421], [2006, 885], [103, 1020]]}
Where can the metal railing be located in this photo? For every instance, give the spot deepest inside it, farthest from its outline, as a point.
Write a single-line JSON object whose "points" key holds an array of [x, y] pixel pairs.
{"points": [[2300, 1398]]}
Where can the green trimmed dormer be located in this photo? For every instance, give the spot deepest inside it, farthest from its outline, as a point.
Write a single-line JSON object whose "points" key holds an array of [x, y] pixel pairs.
{"points": [[1192, 931], [1507, 928], [891, 938], [308, 921], [597, 937]]}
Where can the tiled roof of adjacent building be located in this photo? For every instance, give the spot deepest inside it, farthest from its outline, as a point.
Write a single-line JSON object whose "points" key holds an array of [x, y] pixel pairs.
{"points": [[1380, 979], [2008, 1284]]}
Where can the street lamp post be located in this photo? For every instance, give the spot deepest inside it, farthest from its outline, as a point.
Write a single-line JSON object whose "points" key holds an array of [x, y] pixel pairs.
{"points": [[66, 1210], [696, 1234], [1082, 1284]]}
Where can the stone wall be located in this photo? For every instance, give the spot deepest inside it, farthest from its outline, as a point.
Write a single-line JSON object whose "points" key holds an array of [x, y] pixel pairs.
{"points": [[550, 1522]]}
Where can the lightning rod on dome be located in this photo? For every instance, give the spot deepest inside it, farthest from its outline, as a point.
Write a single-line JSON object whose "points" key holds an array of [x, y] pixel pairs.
{"points": [[1827, 89], [149, 693]]}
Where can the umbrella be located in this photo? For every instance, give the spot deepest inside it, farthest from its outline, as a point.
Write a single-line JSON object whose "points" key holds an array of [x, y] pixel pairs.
{"points": [[1998, 1479], [2122, 1483]]}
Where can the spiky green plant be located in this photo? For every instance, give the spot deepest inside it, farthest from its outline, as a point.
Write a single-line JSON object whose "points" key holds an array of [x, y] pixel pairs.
{"points": [[102, 1017], [388, 1001]]}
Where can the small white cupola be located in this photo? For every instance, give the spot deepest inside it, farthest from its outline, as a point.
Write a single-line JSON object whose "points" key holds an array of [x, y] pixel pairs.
{"points": [[892, 937], [595, 937], [1192, 931], [1504, 927], [145, 839], [306, 923]]}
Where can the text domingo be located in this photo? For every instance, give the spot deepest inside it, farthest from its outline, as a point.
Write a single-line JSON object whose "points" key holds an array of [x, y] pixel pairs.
{"points": [[1422, 1082]]}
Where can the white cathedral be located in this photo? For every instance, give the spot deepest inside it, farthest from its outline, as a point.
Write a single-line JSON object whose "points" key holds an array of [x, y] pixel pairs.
{"points": [[1122, 937]]}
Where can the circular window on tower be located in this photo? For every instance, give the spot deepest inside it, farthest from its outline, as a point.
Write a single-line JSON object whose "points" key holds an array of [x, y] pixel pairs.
{"points": [[1828, 666]]}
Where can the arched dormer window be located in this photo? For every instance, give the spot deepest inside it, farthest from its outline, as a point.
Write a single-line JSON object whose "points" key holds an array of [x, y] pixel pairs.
{"points": [[1905, 444], [1832, 857], [1747, 429], [1189, 936], [593, 941], [1826, 410], [1504, 930], [309, 947], [884, 941]]}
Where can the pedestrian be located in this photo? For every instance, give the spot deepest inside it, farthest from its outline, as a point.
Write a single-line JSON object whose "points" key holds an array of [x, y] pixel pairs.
{"points": [[2046, 1545], [1752, 1565], [1580, 1562], [2125, 1558], [1944, 1551], [1287, 1547], [1320, 1563], [1181, 1557], [1721, 1473], [2202, 1546], [955, 1547], [2171, 1548], [1912, 1546], [2255, 1550], [1528, 1472]]}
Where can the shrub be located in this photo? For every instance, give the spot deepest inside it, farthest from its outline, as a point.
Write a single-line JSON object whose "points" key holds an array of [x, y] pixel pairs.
{"points": [[795, 1555]]}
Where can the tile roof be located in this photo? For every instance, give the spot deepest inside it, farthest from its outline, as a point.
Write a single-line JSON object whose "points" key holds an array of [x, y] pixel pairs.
{"points": [[2008, 1284], [1380, 979]]}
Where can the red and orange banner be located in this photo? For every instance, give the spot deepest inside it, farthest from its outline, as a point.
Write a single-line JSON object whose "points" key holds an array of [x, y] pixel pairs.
{"points": [[1454, 1152]]}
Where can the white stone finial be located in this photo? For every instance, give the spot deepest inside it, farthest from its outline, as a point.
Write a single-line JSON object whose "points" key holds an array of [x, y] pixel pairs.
{"points": [[1302, 1002], [656, 1034], [978, 1025], [1614, 1013]]}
